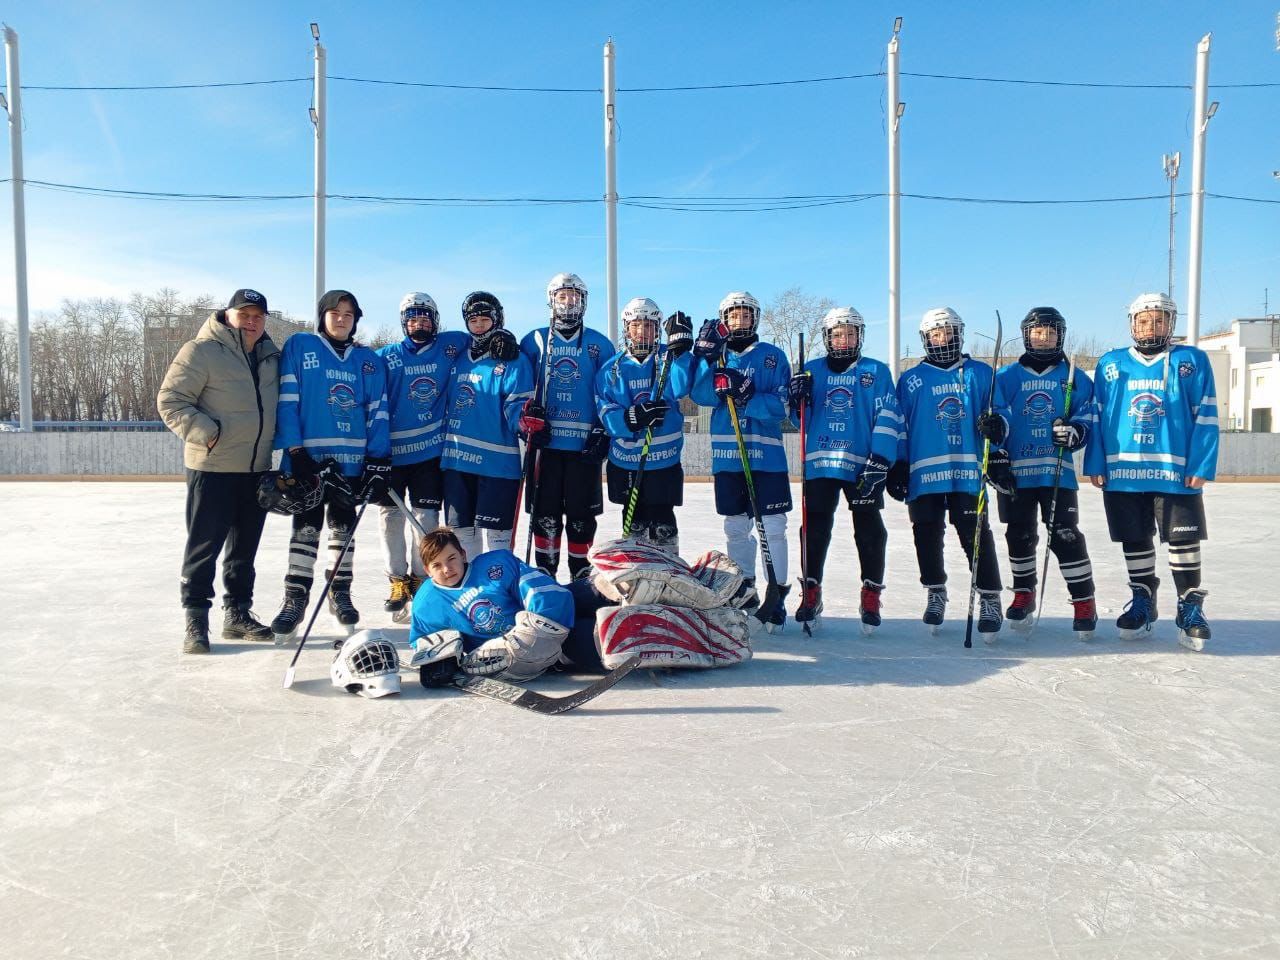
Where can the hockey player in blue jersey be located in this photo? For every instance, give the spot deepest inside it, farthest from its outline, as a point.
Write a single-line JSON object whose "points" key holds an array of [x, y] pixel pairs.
{"points": [[627, 408], [939, 470], [484, 408], [418, 371], [1030, 422], [333, 407], [736, 364], [853, 429], [1155, 447], [565, 494]]}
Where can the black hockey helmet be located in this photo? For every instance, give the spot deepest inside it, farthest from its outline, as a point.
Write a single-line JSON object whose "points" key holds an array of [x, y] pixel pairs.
{"points": [[1044, 317], [482, 304], [288, 495]]}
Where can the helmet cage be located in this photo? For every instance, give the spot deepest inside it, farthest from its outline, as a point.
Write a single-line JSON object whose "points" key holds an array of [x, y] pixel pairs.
{"points": [[1044, 317]]}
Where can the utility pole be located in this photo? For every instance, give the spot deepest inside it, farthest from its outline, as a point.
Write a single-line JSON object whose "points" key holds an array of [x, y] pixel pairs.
{"points": [[13, 105], [1171, 163], [319, 120], [896, 108], [610, 195]]}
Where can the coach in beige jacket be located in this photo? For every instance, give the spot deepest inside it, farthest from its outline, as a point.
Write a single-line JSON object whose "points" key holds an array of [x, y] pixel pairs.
{"points": [[219, 396]]}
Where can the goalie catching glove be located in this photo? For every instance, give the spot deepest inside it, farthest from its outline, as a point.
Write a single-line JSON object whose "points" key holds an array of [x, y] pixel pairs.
{"points": [[524, 652]]}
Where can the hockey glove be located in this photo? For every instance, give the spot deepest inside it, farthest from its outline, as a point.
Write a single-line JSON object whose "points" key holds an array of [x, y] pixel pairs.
{"points": [[597, 446], [679, 333], [373, 482], [533, 424], [1069, 434], [302, 465], [992, 427], [503, 346], [897, 483], [1000, 472], [874, 476], [643, 415], [733, 384], [711, 339], [800, 389]]}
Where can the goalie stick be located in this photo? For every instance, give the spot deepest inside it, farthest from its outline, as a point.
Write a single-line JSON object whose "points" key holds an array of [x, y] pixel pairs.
{"points": [[519, 696]]}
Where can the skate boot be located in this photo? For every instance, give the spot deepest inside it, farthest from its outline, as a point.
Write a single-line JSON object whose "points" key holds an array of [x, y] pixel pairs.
{"points": [[196, 639], [292, 610], [397, 604], [746, 599], [934, 609], [1138, 618], [1193, 628], [810, 609], [239, 624], [415, 582], [775, 620], [869, 606], [989, 617], [1021, 612], [1086, 618], [342, 609]]}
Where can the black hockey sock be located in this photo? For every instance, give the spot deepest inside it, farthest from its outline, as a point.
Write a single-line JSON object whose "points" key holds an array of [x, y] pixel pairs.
{"points": [[988, 569], [817, 541], [1073, 560], [581, 533], [1021, 539], [546, 543], [1140, 562], [928, 538], [870, 537], [1184, 561]]}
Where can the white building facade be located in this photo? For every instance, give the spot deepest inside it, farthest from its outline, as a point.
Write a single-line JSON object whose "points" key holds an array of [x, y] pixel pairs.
{"points": [[1246, 369]]}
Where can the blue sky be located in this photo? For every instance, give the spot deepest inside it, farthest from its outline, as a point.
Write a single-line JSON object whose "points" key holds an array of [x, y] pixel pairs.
{"points": [[958, 138]]}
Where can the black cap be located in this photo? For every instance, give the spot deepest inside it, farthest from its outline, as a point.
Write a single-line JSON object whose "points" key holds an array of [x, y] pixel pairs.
{"points": [[245, 297]]}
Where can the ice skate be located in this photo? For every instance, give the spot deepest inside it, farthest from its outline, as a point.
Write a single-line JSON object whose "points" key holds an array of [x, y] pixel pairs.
{"points": [[810, 609], [196, 639], [935, 608], [238, 623], [1138, 618], [1193, 628], [1085, 620], [398, 603], [1020, 612], [342, 609], [776, 619], [869, 607], [746, 599], [292, 610], [990, 619]]}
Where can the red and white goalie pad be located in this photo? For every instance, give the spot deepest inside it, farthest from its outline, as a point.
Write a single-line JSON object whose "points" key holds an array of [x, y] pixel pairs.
{"points": [[635, 572], [673, 636]]}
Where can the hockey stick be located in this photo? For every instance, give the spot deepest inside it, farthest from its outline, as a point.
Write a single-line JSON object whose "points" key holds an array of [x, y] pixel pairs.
{"points": [[804, 500], [980, 519], [1057, 484], [324, 594], [633, 495], [540, 702]]}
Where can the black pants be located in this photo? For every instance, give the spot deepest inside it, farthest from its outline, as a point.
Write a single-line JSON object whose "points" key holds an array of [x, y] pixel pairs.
{"points": [[928, 513], [822, 496], [222, 508], [580, 647], [1023, 511]]}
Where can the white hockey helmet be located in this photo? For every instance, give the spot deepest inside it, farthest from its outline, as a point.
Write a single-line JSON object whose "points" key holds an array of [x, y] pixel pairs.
{"points": [[367, 664], [942, 318], [414, 305], [842, 317], [740, 298], [1153, 302], [570, 313], [640, 343]]}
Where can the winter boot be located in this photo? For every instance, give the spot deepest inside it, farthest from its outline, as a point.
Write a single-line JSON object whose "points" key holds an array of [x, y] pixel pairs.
{"points": [[869, 606], [400, 595], [934, 609], [1193, 628], [810, 609], [989, 618], [292, 610], [239, 624], [1138, 618], [1021, 612], [197, 635], [1086, 618], [775, 619]]}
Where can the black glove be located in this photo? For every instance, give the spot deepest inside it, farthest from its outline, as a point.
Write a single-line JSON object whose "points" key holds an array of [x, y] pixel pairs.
{"points": [[993, 427], [733, 384], [711, 340], [679, 333], [302, 465], [503, 346], [1000, 471], [873, 477], [597, 446], [800, 389], [643, 415], [533, 424], [898, 482], [1069, 434], [373, 482]]}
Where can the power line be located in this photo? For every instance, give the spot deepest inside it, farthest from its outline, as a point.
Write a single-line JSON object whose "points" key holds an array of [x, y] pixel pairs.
{"points": [[166, 86]]}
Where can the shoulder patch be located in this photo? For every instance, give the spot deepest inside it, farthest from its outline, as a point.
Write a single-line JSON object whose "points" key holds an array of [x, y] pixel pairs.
{"points": [[593, 351], [1186, 368], [367, 367], [770, 361], [495, 572], [866, 378]]}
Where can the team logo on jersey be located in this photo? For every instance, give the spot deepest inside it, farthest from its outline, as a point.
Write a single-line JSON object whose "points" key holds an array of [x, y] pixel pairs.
{"points": [[1146, 407], [770, 362], [866, 378], [423, 390], [495, 572], [593, 351], [487, 617], [343, 400], [1111, 372], [1186, 368], [839, 400], [565, 371], [914, 383], [451, 350], [466, 397], [393, 361], [1038, 406], [310, 361], [367, 368], [950, 409]]}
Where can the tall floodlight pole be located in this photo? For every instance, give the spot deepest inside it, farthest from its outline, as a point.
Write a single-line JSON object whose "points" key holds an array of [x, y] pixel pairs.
{"points": [[896, 109], [319, 120], [14, 108], [1203, 112], [1172, 161], [610, 195]]}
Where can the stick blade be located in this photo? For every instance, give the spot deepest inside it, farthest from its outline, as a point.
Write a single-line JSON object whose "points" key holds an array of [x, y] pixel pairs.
{"points": [[288, 678]]}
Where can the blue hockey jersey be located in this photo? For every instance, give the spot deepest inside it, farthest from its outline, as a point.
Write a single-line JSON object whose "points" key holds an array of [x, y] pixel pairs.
{"points": [[625, 381], [569, 390], [853, 415], [760, 420], [1157, 421], [483, 407], [1029, 402], [417, 380], [334, 407], [484, 605], [942, 445]]}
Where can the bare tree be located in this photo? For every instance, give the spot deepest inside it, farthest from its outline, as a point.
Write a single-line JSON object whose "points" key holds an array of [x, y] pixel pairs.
{"points": [[790, 313]]}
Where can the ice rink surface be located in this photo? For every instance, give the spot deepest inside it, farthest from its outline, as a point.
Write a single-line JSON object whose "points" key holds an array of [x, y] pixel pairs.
{"points": [[889, 796]]}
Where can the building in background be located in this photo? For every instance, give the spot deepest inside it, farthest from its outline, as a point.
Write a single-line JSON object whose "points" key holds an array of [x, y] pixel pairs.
{"points": [[1246, 369]]}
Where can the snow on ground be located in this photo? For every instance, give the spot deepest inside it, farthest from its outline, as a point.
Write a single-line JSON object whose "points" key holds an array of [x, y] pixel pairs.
{"points": [[891, 796]]}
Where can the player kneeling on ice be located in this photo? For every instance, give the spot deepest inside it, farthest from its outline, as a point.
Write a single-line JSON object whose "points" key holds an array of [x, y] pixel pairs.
{"points": [[851, 441]]}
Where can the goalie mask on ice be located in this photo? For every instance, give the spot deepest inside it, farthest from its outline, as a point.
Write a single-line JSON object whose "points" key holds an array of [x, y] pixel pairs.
{"points": [[664, 636], [367, 664], [637, 572]]}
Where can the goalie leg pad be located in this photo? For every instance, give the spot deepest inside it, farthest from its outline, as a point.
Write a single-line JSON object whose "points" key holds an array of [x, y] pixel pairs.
{"points": [[635, 572], [715, 571], [665, 636]]}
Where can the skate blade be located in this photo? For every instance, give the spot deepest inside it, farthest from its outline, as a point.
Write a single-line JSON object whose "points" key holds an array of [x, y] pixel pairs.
{"points": [[1140, 633], [1191, 643], [868, 629], [989, 638], [403, 615], [1084, 636], [933, 628], [280, 639], [1022, 626], [774, 627]]}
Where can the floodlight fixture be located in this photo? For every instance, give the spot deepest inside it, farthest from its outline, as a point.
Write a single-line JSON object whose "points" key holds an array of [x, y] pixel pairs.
{"points": [[315, 32]]}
